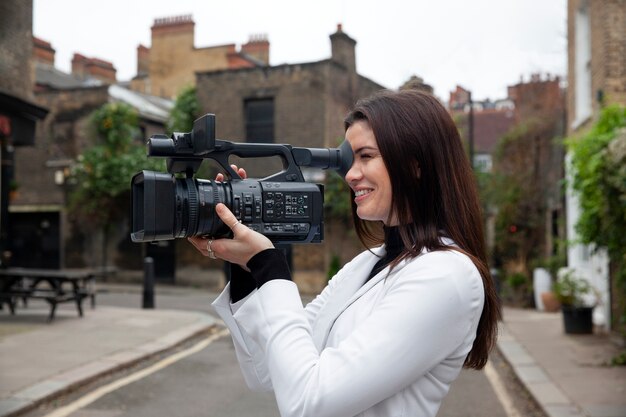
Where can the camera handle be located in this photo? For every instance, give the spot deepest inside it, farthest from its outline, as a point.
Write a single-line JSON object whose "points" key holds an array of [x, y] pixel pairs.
{"points": [[340, 159], [224, 149]]}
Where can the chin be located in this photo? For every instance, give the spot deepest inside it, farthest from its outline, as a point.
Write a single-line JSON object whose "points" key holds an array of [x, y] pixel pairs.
{"points": [[367, 217]]}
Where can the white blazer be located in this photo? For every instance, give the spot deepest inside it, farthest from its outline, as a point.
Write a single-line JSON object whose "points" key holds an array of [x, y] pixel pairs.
{"points": [[391, 347]]}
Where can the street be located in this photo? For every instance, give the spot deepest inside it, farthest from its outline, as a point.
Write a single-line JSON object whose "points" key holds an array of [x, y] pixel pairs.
{"points": [[208, 382]]}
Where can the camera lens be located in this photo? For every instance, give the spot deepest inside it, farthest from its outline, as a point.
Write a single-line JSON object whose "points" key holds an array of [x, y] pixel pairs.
{"points": [[195, 202]]}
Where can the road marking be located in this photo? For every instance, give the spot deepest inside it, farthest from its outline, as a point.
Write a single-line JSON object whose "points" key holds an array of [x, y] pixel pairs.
{"points": [[501, 392], [105, 389]]}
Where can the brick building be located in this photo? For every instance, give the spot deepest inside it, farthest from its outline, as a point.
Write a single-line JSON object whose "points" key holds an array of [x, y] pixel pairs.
{"points": [[596, 46], [43, 235], [19, 114], [172, 60], [540, 102]]}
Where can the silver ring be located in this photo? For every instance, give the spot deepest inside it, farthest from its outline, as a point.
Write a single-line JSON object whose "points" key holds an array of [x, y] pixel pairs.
{"points": [[209, 250]]}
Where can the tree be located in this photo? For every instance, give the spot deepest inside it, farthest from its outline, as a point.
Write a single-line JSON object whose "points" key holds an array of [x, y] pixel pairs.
{"points": [[102, 174], [186, 109]]}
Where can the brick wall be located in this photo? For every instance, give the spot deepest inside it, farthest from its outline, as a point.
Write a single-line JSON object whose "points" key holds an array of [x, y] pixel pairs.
{"points": [[608, 49], [61, 136], [541, 96], [607, 20], [16, 48], [173, 58]]}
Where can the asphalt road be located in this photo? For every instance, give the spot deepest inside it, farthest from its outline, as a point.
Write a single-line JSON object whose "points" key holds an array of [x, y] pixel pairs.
{"points": [[209, 383]]}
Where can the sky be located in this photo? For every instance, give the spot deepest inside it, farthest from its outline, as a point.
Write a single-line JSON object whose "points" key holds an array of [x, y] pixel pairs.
{"points": [[482, 45]]}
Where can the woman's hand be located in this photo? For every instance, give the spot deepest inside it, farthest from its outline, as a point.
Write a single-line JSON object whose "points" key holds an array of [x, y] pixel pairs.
{"points": [[245, 242], [240, 171], [241, 248]]}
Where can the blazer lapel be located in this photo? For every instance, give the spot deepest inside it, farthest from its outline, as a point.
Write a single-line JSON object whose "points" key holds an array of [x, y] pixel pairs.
{"points": [[350, 290]]}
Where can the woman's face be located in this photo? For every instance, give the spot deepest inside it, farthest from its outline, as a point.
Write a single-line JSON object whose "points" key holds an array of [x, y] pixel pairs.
{"points": [[368, 176]]}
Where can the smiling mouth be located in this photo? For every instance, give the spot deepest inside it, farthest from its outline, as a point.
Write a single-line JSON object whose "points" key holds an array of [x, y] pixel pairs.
{"points": [[361, 193]]}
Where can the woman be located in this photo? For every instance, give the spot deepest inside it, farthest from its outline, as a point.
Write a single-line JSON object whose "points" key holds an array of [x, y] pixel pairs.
{"points": [[394, 327]]}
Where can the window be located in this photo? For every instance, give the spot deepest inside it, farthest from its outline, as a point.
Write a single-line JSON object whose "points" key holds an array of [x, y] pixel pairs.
{"points": [[259, 114], [582, 72]]}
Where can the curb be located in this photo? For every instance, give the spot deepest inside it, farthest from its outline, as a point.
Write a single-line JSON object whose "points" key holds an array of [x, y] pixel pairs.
{"points": [[544, 391], [29, 398]]}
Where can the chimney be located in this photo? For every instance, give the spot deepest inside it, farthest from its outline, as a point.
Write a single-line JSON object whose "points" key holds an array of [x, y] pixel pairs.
{"points": [[83, 68], [459, 98], [258, 46], [78, 66], [173, 25], [417, 83], [143, 60], [343, 49], [43, 51]]}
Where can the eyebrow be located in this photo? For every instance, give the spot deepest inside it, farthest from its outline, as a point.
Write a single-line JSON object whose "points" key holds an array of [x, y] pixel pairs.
{"points": [[366, 148]]}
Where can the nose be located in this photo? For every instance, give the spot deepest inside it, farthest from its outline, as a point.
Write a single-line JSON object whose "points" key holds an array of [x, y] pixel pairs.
{"points": [[354, 173]]}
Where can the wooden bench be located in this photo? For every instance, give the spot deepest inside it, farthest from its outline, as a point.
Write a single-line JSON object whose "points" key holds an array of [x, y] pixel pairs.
{"points": [[52, 285]]}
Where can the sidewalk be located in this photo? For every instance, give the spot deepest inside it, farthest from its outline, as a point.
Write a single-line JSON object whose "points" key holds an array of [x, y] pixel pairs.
{"points": [[38, 361], [568, 375]]}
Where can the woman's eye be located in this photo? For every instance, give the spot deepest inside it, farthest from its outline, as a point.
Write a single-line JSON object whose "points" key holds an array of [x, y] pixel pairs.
{"points": [[365, 156]]}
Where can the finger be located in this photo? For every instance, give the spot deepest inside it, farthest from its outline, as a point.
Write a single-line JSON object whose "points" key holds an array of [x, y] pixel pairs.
{"points": [[227, 216], [240, 171], [199, 244], [219, 177]]}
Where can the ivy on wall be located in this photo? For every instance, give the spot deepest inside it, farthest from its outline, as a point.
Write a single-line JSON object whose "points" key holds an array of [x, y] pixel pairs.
{"points": [[599, 177]]}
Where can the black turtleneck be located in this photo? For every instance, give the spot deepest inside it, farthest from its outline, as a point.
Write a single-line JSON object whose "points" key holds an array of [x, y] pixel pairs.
{"points": [[393, 247]]}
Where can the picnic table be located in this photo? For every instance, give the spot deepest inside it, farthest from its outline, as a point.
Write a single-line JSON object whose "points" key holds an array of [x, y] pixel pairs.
{"points": [[52, 285]]}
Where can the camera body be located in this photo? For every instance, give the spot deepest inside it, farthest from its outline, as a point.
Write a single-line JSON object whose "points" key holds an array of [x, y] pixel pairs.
{"points": [[282, 206]]}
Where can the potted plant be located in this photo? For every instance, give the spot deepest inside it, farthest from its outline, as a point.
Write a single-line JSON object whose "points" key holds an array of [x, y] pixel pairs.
{"points": [[573, 293], [13, 187]]}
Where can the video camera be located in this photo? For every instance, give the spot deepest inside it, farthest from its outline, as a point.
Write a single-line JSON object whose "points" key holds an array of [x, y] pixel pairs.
{"points": [[281, 206]]}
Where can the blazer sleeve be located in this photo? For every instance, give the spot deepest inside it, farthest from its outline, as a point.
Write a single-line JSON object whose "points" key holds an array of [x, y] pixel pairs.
{"points": [[398, 343], [249, 355]]}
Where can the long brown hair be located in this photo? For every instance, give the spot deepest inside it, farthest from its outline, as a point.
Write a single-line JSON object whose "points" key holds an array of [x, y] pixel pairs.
{"points": [[423, 153]]}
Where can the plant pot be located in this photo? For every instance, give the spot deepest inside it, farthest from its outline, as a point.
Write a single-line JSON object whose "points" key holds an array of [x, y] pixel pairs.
{"points": [[550, 303], [577, 320]]}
